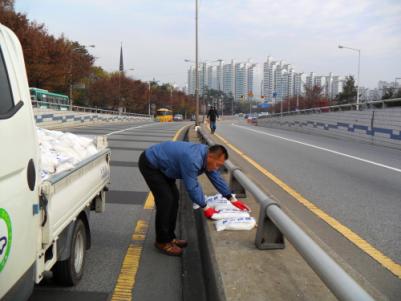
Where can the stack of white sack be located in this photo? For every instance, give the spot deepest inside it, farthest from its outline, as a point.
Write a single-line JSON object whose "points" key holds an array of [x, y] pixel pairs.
{"points": [[61, 151], [228, 216]]}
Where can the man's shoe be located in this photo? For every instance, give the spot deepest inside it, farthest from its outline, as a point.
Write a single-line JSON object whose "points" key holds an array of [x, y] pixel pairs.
{"points": [[169, 248], [180, 242]]}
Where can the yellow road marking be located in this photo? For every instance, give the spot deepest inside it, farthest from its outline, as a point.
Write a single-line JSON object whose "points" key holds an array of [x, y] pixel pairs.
{"points": [[362, 244], [127, 276], [178, 133], [150, 201]]}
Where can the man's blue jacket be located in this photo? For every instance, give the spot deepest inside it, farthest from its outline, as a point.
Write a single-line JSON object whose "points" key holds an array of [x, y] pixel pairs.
{"points": [[186, 161]]}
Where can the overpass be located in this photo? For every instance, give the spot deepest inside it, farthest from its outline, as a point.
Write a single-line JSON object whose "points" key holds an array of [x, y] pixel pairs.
{"points": [[342, 193]]}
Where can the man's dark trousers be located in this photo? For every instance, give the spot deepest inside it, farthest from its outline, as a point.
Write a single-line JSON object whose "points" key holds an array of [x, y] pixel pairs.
{"points": [[166, 197]]}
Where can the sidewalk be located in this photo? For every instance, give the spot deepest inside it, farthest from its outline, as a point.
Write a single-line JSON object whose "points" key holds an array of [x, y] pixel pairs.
{"points": [[244, 272]]}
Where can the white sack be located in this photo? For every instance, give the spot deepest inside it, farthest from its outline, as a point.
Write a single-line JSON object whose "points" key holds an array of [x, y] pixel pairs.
{"points": [[229, 213], [61, 151], [242, 223]]}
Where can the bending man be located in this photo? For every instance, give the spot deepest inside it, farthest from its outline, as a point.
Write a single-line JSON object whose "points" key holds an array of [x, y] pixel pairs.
{"points": [[162, 164]]}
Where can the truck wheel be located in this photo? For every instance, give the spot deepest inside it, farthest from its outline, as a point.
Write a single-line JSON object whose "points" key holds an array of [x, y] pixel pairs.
{"points": [[68, 272]]}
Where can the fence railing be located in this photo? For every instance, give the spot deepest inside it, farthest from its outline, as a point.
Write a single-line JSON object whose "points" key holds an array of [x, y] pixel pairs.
{"points": [[274, 224], [379, 104], [65, 107]]}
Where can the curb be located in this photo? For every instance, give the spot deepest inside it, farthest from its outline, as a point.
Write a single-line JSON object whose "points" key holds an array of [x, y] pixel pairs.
{"points": [[201, 279]]}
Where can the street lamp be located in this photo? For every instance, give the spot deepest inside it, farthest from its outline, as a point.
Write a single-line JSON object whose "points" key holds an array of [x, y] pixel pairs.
{"points": [[359, 64], [74, 49]]}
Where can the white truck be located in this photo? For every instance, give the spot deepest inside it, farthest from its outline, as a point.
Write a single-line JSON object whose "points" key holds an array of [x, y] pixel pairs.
{"points": [[44, 225]]}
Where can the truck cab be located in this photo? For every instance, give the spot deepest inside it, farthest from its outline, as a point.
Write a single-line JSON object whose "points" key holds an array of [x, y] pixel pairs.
{"points": [[19, 184], [44, 222]]}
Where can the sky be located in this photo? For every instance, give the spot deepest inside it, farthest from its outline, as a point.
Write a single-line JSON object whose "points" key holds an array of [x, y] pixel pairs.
{"points": [[158, 35]]}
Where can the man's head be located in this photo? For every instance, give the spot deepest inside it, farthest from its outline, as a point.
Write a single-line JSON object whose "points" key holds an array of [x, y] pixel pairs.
{"points": [[216, 156]]}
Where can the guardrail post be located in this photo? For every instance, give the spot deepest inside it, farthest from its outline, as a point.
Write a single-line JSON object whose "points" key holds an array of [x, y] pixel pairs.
{"points": [[236, 186], [268, 236]]}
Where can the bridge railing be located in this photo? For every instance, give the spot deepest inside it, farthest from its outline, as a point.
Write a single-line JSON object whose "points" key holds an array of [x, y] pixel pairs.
{"points": [[274, 224], [61, 107], [378, 104]]}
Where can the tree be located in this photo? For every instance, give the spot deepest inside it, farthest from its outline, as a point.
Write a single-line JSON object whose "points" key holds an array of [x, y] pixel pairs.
{"points": [[390, 93], [348, 95]]}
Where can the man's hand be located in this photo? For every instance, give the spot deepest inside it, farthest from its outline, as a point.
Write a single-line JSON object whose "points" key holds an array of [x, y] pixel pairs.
{"points": [[209, 211], [241, 206]]}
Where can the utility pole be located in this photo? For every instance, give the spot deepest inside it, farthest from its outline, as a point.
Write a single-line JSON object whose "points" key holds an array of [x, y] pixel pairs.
{"points": [[196, 65]]}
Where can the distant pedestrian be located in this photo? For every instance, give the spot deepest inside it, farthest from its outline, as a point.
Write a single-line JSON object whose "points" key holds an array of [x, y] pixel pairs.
{"points": [[162, 164], [212, 115]]}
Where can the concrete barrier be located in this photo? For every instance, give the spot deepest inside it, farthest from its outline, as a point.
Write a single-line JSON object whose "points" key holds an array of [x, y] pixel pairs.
{"points": [[51, 119], [381, 126]]}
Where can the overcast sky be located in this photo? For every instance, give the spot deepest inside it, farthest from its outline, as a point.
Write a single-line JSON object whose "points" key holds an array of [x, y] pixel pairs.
{"points": [[158, 35]]}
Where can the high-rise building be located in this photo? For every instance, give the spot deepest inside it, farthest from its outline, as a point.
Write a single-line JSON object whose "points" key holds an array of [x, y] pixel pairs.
{"points": [[299, 83], [280, 81], [253, 81], [320, 81], [337, 85], [328, 89], [202, 78], [219, 75], [310, 80], [229, 78], [269, 69], [241, 81], [277, 79], [290, 81], [212, 77], [191, 81]]}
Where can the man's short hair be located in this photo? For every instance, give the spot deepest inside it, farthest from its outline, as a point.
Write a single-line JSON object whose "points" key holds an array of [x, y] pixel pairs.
{"points": [[219, 150]]}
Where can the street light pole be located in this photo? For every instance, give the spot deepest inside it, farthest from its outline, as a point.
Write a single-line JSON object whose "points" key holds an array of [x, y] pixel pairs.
{"points": [[149, 98], [359, 67], [196, 66]]}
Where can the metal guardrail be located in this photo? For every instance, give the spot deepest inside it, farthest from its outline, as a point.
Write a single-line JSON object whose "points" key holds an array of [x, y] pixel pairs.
{"points": [[273, 223], [56, 106], [380, 104]]}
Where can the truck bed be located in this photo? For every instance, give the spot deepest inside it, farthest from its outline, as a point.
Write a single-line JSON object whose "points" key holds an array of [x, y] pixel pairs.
{"points": [[69, 192]]}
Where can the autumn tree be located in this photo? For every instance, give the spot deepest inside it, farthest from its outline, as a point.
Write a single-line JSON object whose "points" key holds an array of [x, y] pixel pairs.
{"points": [[348, 95]]}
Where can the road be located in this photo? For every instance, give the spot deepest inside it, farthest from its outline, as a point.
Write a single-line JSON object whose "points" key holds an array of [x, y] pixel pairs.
{"points": [[355, 183], [158, 276]]}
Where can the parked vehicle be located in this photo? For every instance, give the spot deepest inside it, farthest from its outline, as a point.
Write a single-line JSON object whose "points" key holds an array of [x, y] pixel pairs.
{"points": [[44, 224], [178, 117]]}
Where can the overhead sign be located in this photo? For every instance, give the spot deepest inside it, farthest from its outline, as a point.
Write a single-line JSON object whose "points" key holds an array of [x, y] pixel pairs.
{"points": [[264, 105]]}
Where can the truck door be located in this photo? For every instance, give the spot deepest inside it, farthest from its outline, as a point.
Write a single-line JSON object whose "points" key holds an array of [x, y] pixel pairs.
{"points": [[19, 218]]}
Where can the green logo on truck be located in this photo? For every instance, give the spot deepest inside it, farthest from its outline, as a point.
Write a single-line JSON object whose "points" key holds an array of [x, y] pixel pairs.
{"points": [[5, 237]]}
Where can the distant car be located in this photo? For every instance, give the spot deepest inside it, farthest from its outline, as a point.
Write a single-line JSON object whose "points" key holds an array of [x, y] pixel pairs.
{"points": [[193, 117], [178, 117]]}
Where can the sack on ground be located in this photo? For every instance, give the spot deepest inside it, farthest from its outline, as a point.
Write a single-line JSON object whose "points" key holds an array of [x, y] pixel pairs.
{"points": [[229, 213], [219, 202], [241, 223]]}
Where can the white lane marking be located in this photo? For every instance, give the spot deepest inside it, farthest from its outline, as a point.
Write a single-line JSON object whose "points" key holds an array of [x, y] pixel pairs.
{"points": [[135, 127], [322, 148]]}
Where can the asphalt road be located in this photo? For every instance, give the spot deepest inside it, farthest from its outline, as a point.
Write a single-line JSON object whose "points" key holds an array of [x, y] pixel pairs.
{"points": [[358, 184], [158, 276], [362, 196]]}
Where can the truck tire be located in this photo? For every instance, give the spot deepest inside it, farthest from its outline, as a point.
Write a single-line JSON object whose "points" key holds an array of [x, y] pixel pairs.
{"points": [[68, 272]]}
